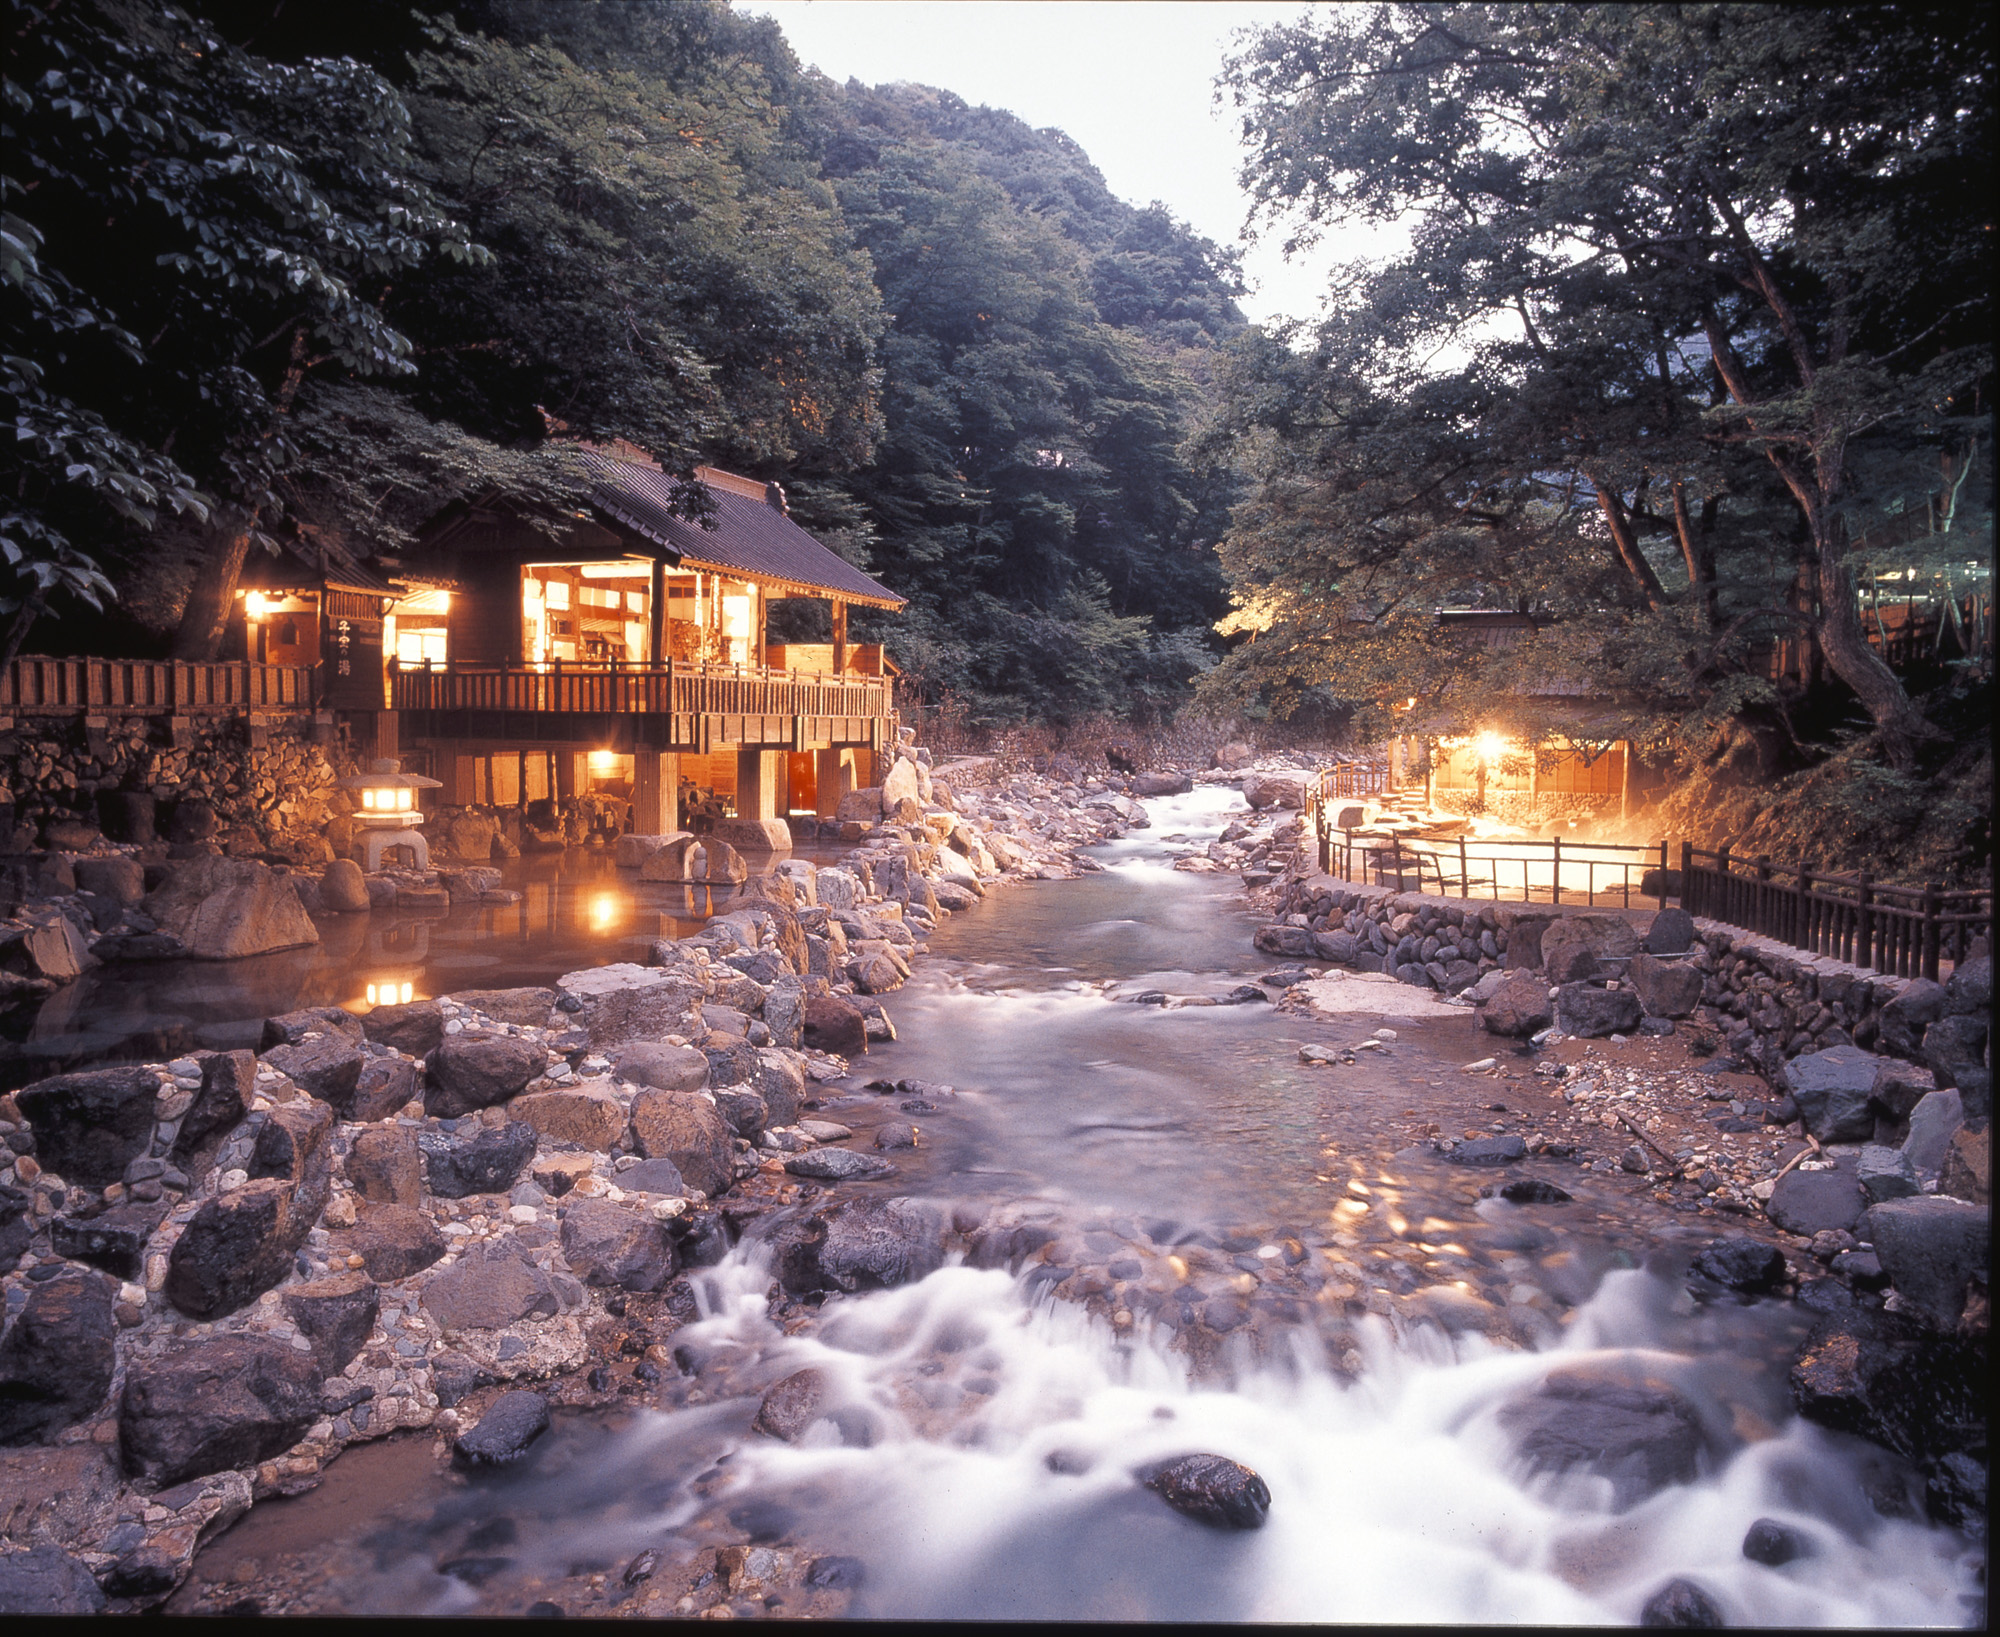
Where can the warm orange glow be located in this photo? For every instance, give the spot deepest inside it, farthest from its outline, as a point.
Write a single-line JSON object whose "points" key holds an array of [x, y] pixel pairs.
{"points": [[603, 761], [603, 912], [256, 605], [1491, 747], [391, 993]]}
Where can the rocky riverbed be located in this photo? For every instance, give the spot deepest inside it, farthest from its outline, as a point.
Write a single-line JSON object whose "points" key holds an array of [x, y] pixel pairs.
{"points": [[467, 1232]]}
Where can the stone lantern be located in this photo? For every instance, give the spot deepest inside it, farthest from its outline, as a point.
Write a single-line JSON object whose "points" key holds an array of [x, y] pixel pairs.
{"points": [[389, 816]]}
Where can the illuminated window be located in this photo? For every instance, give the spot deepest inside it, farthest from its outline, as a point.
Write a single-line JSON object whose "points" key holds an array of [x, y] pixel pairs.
{"points": [[558, 593], [419, 647]]}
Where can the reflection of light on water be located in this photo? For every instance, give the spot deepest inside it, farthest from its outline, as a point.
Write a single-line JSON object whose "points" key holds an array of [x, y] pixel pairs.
{"points": [[603, 911]]}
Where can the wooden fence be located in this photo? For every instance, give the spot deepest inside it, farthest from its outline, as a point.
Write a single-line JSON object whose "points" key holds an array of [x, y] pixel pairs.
{"points": [[1904, 932], [1461, 867], [36, 685], [616, 689]]}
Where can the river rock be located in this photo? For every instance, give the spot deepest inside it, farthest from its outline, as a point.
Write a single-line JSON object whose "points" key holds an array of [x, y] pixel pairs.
{"points": [[663, 1067], [745, 1112], [475, 1070], [417, 1028], [1749, 1266], [587, 1115], [1639, 1435], [1832, 1089], [1933, 1122], [237, 1247], [291, 1146], [1681, 1603], [1213, 1490], [1664, 988], [485, 1162], [328, 1066], [228, 1083], [49, 946], [1592, 1013], [393, 1241], [1902, 1022], [875, 1244], [1671, 933], [382, 1165], [528, 1007], [1967, 1171], [57, 1357], [1569, 954], [1286, 789], [1885, 1173], [838, 1165], [386, 1087], [1500, 1150], [1773, 1544], [113, 1240], [1535, 1191], [90, 1125], [224, 909], [1519, 1006], [211, 1403], [343, 889], [792, 1405], [1955, 1052], [1810, 1202], [46, 1579], [834, 1025], [1930, 1246], [610, 1245], [685, 1128], [623, 1002], [488, 1288], [504, 1434], [1162, 784], [335, 1315], [17, 1226]]}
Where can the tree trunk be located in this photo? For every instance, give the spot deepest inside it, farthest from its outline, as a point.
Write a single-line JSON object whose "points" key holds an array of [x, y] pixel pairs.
{"points": [[1844, 642], [206, 616], [23, 621]]}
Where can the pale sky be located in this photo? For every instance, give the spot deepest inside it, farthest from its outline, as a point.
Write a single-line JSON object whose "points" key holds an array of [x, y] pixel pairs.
{"points": [[1132, 81]]}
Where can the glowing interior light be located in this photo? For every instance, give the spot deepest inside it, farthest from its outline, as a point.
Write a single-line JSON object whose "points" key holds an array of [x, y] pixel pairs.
{"points": [[256, 605], [391, 993], [603, 761], [405, 800], [1491, 746], [368, 800]]}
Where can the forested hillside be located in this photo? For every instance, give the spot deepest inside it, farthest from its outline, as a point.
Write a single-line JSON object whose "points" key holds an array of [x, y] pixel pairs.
{"points": [[310, 272]]}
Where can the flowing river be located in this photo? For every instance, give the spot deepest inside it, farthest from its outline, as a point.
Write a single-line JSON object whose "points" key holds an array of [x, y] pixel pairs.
{"points": [[1371, 1316]]}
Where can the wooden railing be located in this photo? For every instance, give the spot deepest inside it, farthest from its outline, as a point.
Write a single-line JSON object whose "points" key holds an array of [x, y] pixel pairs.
{"points": [[35, 685], [1901, 931], [616, 689], [1554, 871]]}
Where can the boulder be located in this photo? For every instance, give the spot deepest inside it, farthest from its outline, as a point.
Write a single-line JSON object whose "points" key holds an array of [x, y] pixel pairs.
{"points": [[1524, 942], [1295, 941], [1885, 1173], [416, 1028], [335, 1315], [1681, 1603], [511, 1424], [837, 889], [90, 1125], [477, 1070], [57, 1357], [328, 1066], [663, 1067], [1968, 991], [528, 1006], [1672, 933], [835, 1025], [1664, 988], [838, 1165], [1955, 1052], [744, 1111], [228, 1083], [1748, 1266], [17, 1226], [212, 1403], [586, 1115], [652, 1177], [1930, 1246], [290, 1028], [792, 1405], [1810, 1202], [490, 1287], [1232, 756], [386, 1087], [1518, 1006], [629, 851], [867, 1244], [48, 1580], [1593, 1013], [1162, 784], [50, 946], [685, 1128], [863, 806], [383, 1166], [1211, 1489], [291, 1146], [1287, 789], [224, 909], [1832, 1089], [613, 1245], [902, 783], [751, 835], [1773, 1544], [394, 1241], [782, 1084], [622, 1002], [484, 1162], [1640, 1435], [1902, 1022], [113, 1240], [1569, 954], [468, 837], [121, 879], [1967, 1171], [238, 1246], [1500, 1150], [785, 1012], [343, 889], [1937, 1117]]}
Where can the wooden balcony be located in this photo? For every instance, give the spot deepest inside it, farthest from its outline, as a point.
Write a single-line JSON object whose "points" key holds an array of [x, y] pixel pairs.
{"points": [[673, 706], [33, 685]]}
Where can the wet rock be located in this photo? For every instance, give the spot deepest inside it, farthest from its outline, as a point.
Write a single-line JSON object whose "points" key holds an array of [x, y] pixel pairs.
{"points": [[382, 1165], [386, 1086], [1969, 990], [208, 1404], [1902, 1022], [793, 1405], [487, 1162], [57, 1357], [582, 1116], [1955, 1051], [89, 1126], [895, 1135], [1534, 1191], [1640, 1436], [329, 1067], [343, 890], [335, 1315], [1772, 1544], [1929, 1247], [782, 1084], [833, 1025], [417, 1028], [1519, 1006], [1680, 1603], [1936, 1119], [224, 909], [1213, 1490], [490, 1287], [838, 1165], [1810, 1202], [1832, 1089], [1501, 1150], [1162, 784], [1967, 1172], [47, 1580], [875, 1244], [1593, 1013], [1672, 932], [237, 1247], [686, 1129], [731, 1060], [528, 1006], [653, 1177], [49, 947], [1286, 789], [663, 1067], [17, 1227], [473, 1071], [1885, 1173], [1749, 1266], [622, 1002], [393, 1241], [1295, 941], [611, 1245], [228, 1083], [504, 1434], [113, 1240], [745, 1112], [1664, 988]]}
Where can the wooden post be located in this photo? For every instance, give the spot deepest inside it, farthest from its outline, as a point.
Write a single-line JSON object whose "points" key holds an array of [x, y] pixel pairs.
{"points": [[1690, 897], [1464, 871], [1929, 932], [839, 638], [1760, 914], [656, 614], [1724, 886], [1802, 919], [1660, 897], [1557, 896]]}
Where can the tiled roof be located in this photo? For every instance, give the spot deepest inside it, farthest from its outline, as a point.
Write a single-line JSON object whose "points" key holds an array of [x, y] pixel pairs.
{"points": [[750, 536]]}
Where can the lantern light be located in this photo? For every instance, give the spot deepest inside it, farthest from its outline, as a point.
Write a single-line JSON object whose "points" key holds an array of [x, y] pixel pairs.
{"points": [[389, 813], [1491, 747], [391, 992]]}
